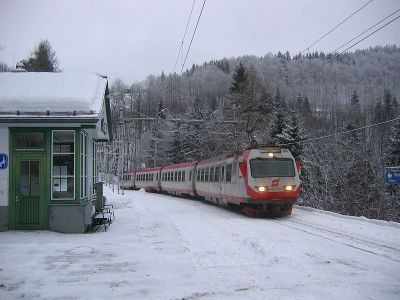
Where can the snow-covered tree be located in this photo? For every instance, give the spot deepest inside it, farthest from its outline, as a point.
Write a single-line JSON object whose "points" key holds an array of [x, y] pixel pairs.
{"points": [[43, 59]]}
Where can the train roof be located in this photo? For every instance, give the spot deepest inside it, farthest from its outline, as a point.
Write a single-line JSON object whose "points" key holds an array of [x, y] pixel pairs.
{"points": [[181, 165], [215, 159], [129, 172], [148, 170]]}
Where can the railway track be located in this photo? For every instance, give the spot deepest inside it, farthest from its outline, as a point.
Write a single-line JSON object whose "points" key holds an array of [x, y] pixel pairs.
{"points": [[366, 244]]}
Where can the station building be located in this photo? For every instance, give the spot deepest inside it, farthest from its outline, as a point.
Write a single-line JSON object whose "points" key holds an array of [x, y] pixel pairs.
{"points": [[50, 124]]}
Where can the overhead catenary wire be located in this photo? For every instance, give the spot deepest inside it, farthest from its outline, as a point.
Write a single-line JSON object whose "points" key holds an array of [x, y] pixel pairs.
{"points": [[184, 35], [370, 34], [308, 48], [345, 44], [194, 32], [336, 55], [340, 133]]}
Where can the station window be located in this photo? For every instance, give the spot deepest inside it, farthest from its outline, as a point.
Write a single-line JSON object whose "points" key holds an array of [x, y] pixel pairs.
{"points": [[83, 165], [29, 140], [63, 165], [94, 175]]}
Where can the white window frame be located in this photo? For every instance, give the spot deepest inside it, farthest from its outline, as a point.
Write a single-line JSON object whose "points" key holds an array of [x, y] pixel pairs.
{"points": [[84, 167]]}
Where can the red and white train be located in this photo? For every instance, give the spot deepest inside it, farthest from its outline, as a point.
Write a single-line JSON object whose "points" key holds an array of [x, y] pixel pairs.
{"points": [[257, 182]]}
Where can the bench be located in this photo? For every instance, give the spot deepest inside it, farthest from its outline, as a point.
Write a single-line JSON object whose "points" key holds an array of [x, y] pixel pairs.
{"points": [[104, 213]]}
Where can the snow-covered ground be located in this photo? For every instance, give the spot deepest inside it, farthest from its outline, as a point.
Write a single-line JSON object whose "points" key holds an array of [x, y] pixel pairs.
{"points": [[161, 247]]}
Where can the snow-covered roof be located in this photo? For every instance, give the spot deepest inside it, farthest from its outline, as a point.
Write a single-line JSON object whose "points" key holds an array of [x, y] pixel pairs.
{"points": [[52, 94]]}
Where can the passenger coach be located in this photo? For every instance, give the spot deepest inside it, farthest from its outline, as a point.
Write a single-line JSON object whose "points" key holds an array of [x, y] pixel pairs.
{"points": [[258, 181]]}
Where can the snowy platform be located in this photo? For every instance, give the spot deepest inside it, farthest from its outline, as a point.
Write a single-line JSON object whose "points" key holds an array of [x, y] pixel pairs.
{"points": [[161, 247]]}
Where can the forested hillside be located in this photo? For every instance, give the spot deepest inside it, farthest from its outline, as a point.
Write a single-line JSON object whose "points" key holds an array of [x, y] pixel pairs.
{"points": [[226, 105]]}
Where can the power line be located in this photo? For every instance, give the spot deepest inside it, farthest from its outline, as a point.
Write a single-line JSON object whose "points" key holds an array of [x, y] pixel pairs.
{"points": [[366, 31], [184, 35], [340, 133], [336, 55], [308, 48], [370, 34], [194, 32]]}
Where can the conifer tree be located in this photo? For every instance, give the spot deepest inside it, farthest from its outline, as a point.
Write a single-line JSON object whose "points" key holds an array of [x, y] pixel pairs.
{"points": [[393, 149], [196, 136], [175, 149], [43, 59], [239, 87], [278, 128]]}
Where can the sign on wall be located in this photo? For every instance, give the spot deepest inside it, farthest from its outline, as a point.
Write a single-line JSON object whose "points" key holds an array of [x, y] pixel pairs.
{"points": [[392, 175], [3, 161]]}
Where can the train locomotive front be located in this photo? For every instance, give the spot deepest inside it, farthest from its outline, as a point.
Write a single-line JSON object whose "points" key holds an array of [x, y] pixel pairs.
{"points": [[271, 181]]}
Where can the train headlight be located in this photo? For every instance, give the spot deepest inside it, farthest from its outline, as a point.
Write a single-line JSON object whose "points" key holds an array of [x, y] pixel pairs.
{"points": [[289, 188], [262, 188], [270, 155]]}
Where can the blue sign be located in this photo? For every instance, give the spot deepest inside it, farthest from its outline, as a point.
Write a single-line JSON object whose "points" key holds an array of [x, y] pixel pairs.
{"points": [[392, 175], [3, 161]]}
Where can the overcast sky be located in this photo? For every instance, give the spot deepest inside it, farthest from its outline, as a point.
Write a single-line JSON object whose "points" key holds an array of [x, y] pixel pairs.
{"points": [[130, 39]]}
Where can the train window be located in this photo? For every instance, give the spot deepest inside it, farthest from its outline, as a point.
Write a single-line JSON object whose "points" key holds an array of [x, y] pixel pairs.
{"points": [[179, 175], [211, 174], [282, 167], [190, 175], [229, 172], [197, 175], [207, 174], [216, 174], [235, 169], [222, 173]]}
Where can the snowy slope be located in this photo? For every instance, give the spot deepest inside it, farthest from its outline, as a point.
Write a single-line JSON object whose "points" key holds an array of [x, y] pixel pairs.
{"points": [[161, 247]]}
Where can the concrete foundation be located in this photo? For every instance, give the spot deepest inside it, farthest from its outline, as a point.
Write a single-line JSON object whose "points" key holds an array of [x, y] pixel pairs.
{"points": [[3, 218], [70, 218]]}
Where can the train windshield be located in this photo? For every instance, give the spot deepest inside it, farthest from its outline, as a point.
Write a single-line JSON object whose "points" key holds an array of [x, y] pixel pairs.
{"points": [[283, 167]]}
